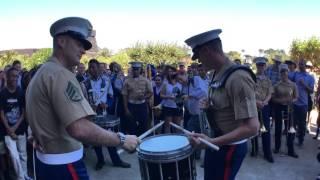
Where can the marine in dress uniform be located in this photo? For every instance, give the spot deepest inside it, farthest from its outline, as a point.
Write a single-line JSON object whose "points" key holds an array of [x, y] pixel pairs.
{"points": [[137, 90], [285, 93], [57, 111], [264, 91], [231, 108]]}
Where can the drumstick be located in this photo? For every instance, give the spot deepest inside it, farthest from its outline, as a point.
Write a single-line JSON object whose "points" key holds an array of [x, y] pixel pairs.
{"points": [[145, 134], [214, 147], [34, 164], [150, 130]]}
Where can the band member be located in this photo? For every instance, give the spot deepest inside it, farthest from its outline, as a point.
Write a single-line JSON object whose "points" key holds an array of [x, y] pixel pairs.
{"points": [[137, 91], [172, 103], [263, 95], [97, 91], [231, 107], [285, 93], [57, 111]]}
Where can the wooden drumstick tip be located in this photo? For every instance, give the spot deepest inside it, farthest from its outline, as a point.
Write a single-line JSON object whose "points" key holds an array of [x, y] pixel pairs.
{"points": [[212, 146]]}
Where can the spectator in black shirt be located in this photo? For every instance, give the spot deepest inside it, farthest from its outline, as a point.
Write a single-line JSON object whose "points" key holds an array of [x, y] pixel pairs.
{"points": [[12, 116]]}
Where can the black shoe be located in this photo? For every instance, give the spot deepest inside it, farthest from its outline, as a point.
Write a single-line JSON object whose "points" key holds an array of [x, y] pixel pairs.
{"points": [[99, 165], [294, 155], [276, 151], [122, 164], [269, 159], [316, 137]]}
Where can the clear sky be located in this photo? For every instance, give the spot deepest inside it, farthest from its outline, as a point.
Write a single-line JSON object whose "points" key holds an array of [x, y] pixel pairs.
{"points": [[246, 24]]}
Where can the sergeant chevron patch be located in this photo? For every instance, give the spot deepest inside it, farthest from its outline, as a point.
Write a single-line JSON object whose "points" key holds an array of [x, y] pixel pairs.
{"points": [[73, 93]]}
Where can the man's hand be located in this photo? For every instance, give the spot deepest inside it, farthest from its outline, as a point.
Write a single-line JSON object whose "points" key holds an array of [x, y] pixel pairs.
{"points": [[131, 143], [10, 130], [195, 142], [13, 136], [128, 113], [35, 144], [103, 105], [260, 104], [185, 97], [204, 103]]}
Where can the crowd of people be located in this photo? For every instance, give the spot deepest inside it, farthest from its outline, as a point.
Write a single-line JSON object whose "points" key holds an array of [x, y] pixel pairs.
{"points": [[164, 93], [279, 95]]}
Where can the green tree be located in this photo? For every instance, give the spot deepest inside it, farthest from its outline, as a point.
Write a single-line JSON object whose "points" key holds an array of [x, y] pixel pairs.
{"points": [[157, 53], [271, 53], [306, 49], [121, 58], [39, 57], [7, 58], [232, 55]]}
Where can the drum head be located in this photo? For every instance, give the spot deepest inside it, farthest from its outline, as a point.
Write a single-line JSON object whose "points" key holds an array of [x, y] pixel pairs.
{"points": [[164, 143], [165, 148]]}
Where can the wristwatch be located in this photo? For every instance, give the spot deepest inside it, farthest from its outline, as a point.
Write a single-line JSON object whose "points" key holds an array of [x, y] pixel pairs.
{"points": [[122, 138]]}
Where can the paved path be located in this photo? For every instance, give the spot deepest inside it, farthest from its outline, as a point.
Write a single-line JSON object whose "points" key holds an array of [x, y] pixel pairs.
{"points": [[284, 168]]}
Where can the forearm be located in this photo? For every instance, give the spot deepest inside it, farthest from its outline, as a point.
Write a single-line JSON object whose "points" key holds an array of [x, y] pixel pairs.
{"points": [[89, 133], [309, 89], [4, 121], [148, 95], [164, 96], [125, 102], [267, 98], [246, 130]]}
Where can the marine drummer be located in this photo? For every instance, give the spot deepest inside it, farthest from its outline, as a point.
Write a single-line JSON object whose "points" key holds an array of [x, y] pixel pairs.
{"points": [[231, 108], [137, 90], [57, 111], [97, 90]]}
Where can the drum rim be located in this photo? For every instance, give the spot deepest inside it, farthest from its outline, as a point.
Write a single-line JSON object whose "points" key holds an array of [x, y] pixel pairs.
{"points": [[106, 123], [169, 156]]}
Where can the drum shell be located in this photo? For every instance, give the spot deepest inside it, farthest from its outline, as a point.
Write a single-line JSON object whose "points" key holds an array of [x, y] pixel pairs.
{"points": [[106, 121], [174, 164], [164, 157]]}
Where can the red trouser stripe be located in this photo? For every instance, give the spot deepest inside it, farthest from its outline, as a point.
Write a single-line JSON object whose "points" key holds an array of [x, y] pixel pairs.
{"points": [[227, 167], [72, 172]]}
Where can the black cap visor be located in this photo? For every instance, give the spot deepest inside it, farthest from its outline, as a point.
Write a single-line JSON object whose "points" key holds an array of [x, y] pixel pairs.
{"points": [[78, 36]]}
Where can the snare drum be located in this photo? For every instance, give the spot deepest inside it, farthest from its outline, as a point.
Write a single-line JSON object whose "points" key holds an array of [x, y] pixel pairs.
{"points": [[166, 157], [107, 121]]}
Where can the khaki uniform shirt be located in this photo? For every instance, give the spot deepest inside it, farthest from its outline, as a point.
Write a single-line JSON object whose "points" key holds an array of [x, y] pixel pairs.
{"points": [[263, 87], [137, 88], [285, 90], [235, 102], [53, 101]]}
